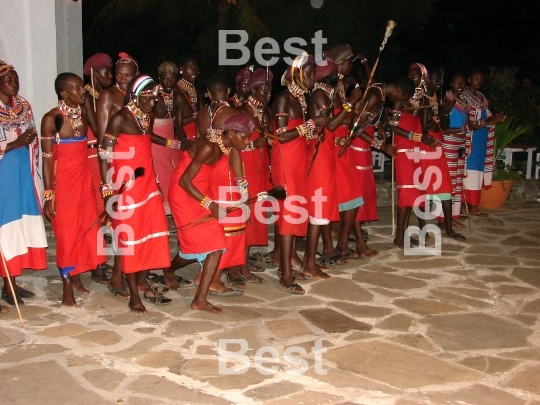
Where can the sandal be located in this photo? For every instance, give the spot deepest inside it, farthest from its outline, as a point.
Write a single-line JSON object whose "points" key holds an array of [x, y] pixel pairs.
{"points": [[4, 309], [156, 299], [252, 278], [301, 244], [21, 292], [237, 282], [253, 268], [156, 278], [98, 276], [296, 274], [478, 214], [9, 298], [325, 261], [292, 288], [456, 236], [117, 292], [160, 288], [348, 254], [263, 258], [230, 292]]}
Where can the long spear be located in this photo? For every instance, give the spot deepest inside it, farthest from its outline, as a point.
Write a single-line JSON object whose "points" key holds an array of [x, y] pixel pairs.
{"points": [[263, 118], [11, 288], [389, 28], [330, 113]]}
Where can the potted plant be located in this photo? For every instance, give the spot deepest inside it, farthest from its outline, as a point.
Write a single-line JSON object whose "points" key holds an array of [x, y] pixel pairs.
{"points": [[503, 177]]}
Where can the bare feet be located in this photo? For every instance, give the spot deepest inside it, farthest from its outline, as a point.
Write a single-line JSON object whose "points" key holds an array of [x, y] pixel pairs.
{"points": [[215, 285], [398, 243], [366, 251], [68, 299], [458, 224], [170, 280], [137, 307], [4, 309], [77, 283], [205, 306], [315, 271]]}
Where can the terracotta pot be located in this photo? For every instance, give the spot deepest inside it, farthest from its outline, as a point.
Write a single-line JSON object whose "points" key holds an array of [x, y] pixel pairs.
{"points": [[496, 195]]}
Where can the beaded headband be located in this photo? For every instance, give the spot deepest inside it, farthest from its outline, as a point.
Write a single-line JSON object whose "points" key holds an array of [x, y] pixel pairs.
{"points": [[126, 58], [140, 84], [4, 68], [423, 69]]}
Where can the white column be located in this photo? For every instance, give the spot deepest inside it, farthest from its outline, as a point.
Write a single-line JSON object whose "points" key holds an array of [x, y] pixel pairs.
{"points": [[69, 41]]}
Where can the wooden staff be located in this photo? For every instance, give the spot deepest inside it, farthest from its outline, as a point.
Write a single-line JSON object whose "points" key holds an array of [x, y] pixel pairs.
{"points": [[93, 88], [11, 288], [269, 135], [389, 28]]}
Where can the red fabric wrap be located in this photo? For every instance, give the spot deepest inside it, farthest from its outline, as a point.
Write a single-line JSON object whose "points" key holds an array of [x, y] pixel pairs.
{"points": [[256, 172], [322, 176], [165, 159], [289, 171], [150, 239], [221, 181], [363, 161], [35, 259], [190, 130], [405, 166], [433, 164], [76, 209], [201, 238], [349, 188], [94, 170]]}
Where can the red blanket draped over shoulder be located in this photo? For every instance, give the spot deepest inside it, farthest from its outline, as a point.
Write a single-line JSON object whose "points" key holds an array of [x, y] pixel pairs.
{"points": [[289, 171], [140, 223], [439, 180], [257, 175], [362, 158], [76, 209], [408, 192]]}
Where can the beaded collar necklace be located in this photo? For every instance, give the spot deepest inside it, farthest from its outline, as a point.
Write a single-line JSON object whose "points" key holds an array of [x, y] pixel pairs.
{"points": [[340, 88], [189, 91], [15, 114], [214, 136], [300, 94], [477, 100], [169, 102], [434, 103], [256, 106], [235, 101], [460, 101], [417, 97], [221, 104], [92, 91], [73, 115], [121, 91], [328, 90], [382, 89], [142, 118]]}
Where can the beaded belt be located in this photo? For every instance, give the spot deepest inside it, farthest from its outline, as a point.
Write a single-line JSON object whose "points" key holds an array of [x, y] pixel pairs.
{"points": [[234, 230]]}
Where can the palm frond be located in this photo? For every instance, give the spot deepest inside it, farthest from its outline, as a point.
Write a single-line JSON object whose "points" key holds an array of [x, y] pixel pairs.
{"points": [[504, 135], [248, 20]]}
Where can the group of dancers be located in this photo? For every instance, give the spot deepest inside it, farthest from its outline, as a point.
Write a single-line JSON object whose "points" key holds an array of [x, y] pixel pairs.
{"points": [[119, 158]]}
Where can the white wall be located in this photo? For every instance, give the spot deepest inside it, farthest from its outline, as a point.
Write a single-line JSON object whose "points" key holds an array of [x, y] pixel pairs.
{"points": [[28, 41]]}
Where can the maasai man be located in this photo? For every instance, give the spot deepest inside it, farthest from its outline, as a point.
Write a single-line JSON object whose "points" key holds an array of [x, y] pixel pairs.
{"points": [[480, 142], [99, 69], [321, 176], [189, 100], [407, 129], [193, 199], [22, 233], [289, 167], [242, 87], [435, 171], [70, 201], [255, 159], [110, 102], [456, 124], [139, 221], [166, 159], [349, 195]]}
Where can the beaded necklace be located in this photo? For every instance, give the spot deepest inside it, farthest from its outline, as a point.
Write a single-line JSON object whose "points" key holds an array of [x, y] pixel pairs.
{"points": [[256, 106], [212, 115], [92, 91], [417, 97], [235, 101], [214, 136], [434, 103], [121, 91], [169, 102], [73, 115], [460, 101], [477, 100], [340, 88], [17, 115], [142, 118], [381, 90], [328, 90], [300, 94], [189, 91]]}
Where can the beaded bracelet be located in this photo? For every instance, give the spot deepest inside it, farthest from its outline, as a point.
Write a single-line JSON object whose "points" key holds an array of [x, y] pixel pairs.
{"points": [[105, 154], [337, 141], [111, 137], [206, 201], [48, 195], [376, 143], [415, 137], [347, 107], [250, 146], [394, 123], [464, 128], [281, 130], [242, 185], [106, 190], [173, 144], [47, 155], [282, 114]]}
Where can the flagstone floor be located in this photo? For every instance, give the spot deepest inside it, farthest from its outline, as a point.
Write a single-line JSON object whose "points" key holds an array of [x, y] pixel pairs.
{"points": [[459, 328]]}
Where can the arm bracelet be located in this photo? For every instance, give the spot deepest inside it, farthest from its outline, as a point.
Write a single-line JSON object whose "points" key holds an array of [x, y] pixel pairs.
{"points": [[106, 190], [205, 202], [48, 195]]}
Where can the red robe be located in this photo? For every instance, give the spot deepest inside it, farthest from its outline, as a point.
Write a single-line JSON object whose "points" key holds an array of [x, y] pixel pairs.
{"points": [[349, 192], [408, 192], [94, 169], [289, 170], [437, 165], [322, 176], [76, 209], [165, 159], [257, 175], [140, 223], [203, 238], [362, 158]]}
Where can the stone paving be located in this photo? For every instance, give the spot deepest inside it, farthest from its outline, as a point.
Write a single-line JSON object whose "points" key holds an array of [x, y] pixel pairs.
{"points": [[460, 328]]}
